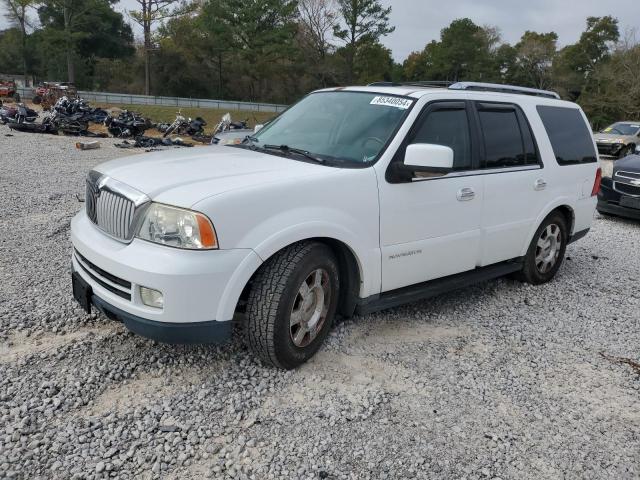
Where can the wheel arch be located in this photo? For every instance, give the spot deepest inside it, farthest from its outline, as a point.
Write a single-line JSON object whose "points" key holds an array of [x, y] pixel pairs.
{"points": [[569, 216], [349, 268], [561, 206]]}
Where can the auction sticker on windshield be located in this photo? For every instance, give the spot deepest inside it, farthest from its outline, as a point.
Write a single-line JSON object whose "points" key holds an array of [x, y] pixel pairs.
{"points": [[397, 102]]}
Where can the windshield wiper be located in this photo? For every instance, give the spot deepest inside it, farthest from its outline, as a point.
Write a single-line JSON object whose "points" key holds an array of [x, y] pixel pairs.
{"points": [[299, 151]]}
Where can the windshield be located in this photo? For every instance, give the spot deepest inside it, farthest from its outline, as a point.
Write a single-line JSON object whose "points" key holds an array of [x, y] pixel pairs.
{"points": [[623, 129], [335, 126]]}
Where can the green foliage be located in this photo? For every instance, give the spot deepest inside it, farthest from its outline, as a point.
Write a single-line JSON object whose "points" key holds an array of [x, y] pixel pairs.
{"points": [[613, 93], [575, 63], [256, 38], [464, 52], [10, 60], [363, 23], [533, 60], [278, 50]]}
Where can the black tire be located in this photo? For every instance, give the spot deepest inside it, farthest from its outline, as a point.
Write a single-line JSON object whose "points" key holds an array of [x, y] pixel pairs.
{"points": [[275, 294], [532, 271]]}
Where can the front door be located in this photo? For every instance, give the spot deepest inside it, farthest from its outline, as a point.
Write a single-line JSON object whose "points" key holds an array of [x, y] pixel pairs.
{"points": [[430, 226]]}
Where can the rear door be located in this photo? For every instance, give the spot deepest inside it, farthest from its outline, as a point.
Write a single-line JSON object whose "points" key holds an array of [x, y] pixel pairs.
{"points": [[515, 183]]}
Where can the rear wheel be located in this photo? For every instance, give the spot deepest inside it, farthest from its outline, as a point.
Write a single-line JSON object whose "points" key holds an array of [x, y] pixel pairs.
{"points": [[292, 303], [546, 251]]}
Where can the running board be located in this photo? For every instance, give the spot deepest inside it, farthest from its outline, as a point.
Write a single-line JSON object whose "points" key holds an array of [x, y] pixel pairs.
{"points": [[432, 288]]}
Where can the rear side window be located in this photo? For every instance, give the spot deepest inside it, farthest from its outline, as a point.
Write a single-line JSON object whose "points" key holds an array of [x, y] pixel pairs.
{"points": [[569, 135], [507, 138]]}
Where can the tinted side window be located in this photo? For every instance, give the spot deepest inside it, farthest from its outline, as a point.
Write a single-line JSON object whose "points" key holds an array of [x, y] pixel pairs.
{"points": [[448, 127], [503, 140], [530, 150], [569, 135]]}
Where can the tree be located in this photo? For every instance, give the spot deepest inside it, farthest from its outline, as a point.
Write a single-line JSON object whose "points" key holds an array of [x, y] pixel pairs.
{"points": [[9, 50], [575, 63], [80, 31], [373, 63], [535, 53], [465, 52], [258, 37], [614, 92], [365, 22], [318, 19], [17, 11], [69, 13], [150, 13]]}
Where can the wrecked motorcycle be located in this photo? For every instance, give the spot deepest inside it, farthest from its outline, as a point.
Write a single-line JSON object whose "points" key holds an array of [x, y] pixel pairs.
{"points": [[127, 124], [17, 113], [80, 109], [184, 126]]}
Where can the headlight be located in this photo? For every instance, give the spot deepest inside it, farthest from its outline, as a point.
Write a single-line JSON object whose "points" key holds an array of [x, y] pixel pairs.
{"points": [[177, 227]]}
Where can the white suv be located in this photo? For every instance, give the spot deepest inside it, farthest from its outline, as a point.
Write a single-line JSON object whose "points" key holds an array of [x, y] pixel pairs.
{"points": [[353, 200]]}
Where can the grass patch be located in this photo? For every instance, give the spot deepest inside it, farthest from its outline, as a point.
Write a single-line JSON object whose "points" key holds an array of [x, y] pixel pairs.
{"points": [[212, 116]]}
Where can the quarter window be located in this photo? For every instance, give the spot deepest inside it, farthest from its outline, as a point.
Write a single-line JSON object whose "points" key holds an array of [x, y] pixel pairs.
{"points": [[507, 138], [448, 127], [569, 135]]}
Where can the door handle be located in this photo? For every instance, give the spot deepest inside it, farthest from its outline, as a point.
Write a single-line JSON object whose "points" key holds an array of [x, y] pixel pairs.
{"points": [[540, 184], [465, 194]]}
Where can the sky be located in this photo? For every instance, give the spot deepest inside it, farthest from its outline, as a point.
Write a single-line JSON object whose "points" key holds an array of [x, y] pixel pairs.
{"points": [[418, 22]]}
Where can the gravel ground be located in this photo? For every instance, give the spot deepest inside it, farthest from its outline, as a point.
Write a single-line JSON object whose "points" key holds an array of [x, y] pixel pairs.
{"points": [[502, 380]]}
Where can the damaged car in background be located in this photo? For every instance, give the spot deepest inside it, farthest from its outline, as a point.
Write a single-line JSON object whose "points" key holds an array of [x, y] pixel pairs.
{"points": [[618, 140]]}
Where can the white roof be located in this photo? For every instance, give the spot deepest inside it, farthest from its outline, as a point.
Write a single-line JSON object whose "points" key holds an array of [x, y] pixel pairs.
{"points": [[418, 91]]}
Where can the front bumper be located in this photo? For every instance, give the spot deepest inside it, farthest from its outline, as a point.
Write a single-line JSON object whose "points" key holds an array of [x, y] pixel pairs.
{"points": [[609, 202], [610, 149], [174, 333], [198, 287]]}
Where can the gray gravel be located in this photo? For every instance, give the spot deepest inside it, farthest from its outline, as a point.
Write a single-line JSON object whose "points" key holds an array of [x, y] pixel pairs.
{"points": [[502, 380]]}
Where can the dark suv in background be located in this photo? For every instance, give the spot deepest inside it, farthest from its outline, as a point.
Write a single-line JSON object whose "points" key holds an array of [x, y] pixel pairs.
{"points": [[620, 194]]}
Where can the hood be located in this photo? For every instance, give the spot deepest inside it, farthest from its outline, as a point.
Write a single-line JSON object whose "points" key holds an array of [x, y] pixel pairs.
{"points": [[630, 163], [614, 138], [184, 177]]}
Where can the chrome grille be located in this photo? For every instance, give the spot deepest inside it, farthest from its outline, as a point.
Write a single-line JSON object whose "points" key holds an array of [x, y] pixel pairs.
{"points": [[112, 205], [627, 175], [114, 214], [633, 190]]}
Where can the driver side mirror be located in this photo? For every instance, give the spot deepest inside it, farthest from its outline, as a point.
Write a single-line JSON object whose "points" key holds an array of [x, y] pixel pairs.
{"points": [[424, 157]]}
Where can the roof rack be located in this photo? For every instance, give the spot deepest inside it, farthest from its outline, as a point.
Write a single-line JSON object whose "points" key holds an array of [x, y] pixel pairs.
{"points": [[424, 84], [495, 87]]}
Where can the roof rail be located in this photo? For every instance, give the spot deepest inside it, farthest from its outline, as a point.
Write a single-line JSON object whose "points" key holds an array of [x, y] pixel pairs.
{"points": [[495, 87], [424, 84]]}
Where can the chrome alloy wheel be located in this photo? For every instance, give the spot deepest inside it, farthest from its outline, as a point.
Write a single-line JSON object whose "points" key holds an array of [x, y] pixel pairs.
{"points": [[310, 308], [548, 248]]}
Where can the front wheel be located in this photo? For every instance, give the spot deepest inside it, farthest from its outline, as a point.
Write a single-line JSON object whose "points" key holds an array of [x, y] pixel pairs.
{"points": [[546, 251], [292, 303]]}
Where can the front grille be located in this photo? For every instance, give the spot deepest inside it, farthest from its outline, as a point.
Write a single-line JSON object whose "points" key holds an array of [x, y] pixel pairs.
{"points": [[627, 175], [112, 206], [627, 189], [115, 285]]}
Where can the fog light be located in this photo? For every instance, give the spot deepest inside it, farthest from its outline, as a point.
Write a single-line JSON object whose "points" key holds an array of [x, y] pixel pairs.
{"points": [[151, 298]]}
